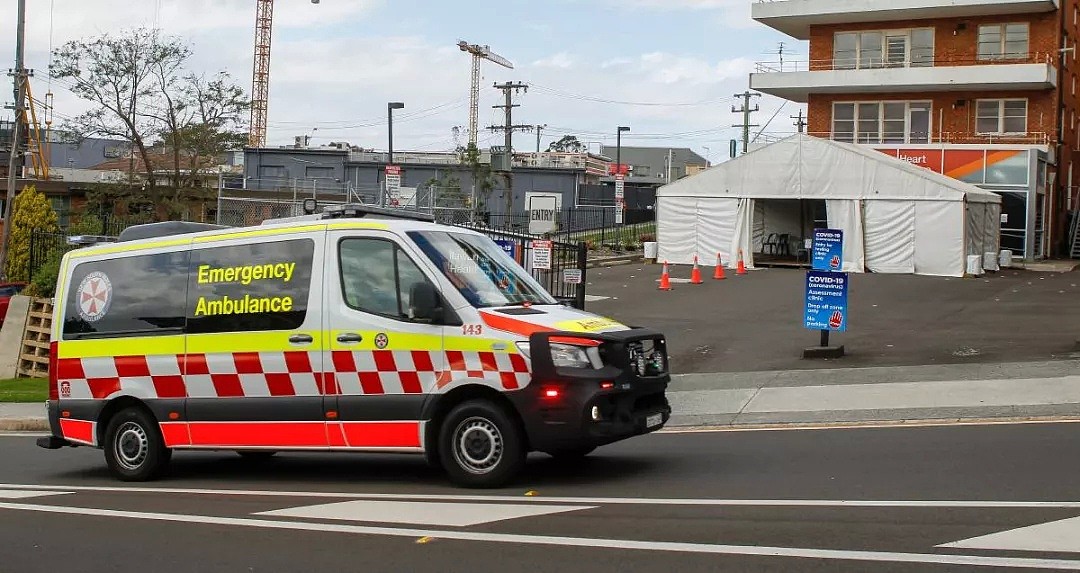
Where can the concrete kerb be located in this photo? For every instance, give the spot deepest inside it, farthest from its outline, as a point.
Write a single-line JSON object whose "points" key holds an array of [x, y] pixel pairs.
{"points": [[24, 425]]}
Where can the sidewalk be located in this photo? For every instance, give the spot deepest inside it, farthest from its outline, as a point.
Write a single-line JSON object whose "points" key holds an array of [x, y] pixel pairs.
{"points": [[28, 417], [955, 392], [1028, 390]]}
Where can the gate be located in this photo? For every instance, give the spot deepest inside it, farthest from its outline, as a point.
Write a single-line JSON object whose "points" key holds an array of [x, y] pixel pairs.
{"points": [[564, 257]]}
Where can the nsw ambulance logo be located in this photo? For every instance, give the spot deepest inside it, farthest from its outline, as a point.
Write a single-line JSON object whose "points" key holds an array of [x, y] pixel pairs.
{"points": [[95, 295]]}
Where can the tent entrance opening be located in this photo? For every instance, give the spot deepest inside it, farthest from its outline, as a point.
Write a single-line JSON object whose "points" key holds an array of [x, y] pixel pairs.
{"points": [[783, 229]]}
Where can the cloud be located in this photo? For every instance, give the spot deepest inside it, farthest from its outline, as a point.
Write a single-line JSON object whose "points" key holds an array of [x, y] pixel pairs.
{"points": [[561, 60]]}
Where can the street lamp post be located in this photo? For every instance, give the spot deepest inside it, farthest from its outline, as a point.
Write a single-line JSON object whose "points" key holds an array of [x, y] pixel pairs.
{"points": [[618, 148], [390, 107]]}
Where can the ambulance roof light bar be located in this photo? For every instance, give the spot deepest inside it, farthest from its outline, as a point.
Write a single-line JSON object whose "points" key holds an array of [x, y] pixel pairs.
{"points": [[358, 210]]}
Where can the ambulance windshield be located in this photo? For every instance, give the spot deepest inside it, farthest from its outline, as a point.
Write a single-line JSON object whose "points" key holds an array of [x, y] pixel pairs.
{"points": [[481, 271]]}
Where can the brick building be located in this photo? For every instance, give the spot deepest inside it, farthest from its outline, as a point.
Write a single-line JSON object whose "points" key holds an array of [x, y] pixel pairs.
{"points": [[980, 90]]}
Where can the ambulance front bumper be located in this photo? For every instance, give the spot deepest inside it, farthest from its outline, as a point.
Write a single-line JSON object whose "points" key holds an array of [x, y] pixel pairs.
{"points": [[576, 408]]}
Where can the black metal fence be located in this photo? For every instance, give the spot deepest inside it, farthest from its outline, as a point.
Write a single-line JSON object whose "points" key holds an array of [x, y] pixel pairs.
{"points": [[594, 225], [566, 277], [44, 245]]}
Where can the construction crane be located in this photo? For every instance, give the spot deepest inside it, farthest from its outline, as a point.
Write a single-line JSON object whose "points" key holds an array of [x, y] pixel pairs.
{"points": [[478, 53], [260, 75]]}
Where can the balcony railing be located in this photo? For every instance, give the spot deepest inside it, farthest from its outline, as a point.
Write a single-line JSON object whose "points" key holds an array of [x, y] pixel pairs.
{"points": [[1029, 138], [879, 64]]}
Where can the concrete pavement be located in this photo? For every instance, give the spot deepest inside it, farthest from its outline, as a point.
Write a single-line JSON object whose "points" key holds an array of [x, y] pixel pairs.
{"points": [[957, 392]]}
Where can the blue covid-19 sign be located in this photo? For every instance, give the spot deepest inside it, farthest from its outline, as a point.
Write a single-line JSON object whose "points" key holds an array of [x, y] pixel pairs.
{"points": [[826, 301], [827, 250]]}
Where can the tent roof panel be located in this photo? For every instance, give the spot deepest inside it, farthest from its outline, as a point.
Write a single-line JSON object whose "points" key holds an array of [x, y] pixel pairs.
{"points": [[806, 167]]}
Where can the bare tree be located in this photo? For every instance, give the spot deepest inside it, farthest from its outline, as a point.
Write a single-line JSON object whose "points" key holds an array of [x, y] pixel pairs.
{"points": [[119, 74]]}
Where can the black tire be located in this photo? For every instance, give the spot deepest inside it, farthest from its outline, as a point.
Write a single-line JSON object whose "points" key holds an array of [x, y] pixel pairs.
{"points": [[134, 449], [481, 445], [256, 455], [571, 454]]}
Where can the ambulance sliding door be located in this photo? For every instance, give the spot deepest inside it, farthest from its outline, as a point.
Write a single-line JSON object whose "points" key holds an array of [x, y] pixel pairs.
{"points": [[254, 344]]}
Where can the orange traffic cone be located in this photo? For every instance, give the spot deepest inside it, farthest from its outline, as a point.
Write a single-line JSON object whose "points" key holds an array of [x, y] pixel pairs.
{"points": [[718, 274], [665, 278], [740, 267], [695, 273]]}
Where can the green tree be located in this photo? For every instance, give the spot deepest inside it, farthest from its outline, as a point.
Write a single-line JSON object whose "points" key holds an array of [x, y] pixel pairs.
{"points": [[30, 212], [567, 144]]}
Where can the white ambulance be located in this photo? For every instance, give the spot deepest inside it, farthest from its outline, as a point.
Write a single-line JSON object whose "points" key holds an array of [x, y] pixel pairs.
{"points": [[357, 329]]}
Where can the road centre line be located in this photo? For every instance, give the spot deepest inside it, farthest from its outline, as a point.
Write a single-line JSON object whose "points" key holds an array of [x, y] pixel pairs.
{"points": [[972, 504], [597, 543]]}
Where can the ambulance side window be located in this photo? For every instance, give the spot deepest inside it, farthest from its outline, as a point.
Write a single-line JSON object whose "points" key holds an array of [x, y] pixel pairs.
{"points": [[376, 277], [253, 287], [141, 295]]}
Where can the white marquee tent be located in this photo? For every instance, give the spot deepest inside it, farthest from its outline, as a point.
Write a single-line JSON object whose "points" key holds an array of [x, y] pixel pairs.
{"points": [[896, 217]]}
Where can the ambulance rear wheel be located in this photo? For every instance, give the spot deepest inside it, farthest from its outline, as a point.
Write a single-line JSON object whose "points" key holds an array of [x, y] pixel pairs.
{"points": [[481, 445], [134, 448]]}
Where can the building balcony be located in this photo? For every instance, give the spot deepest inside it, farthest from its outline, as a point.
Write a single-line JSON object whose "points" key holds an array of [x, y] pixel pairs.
{"points": [[794, 17], [796, 80]]}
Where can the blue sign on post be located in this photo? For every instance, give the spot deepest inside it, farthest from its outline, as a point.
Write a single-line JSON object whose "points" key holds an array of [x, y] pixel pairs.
{"points": [[827, 250], [826, 301]]}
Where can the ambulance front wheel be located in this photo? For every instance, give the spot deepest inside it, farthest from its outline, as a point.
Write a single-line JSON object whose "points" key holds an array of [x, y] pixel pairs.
{"points": [[481, 445], [134, 448]]}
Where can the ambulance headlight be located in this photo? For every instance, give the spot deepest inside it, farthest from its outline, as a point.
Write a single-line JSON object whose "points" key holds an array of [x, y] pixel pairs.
{"points": [[570, 356]]}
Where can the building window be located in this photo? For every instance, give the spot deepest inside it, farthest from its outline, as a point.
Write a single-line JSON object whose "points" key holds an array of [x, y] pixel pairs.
{"points": [[1003, 41], [269, 171], [1001, 116], [881, 122], [877, 49], [319, 172]]}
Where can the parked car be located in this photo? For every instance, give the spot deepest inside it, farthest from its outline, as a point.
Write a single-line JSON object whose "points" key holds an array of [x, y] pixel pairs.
{"points": [[8, 290]]}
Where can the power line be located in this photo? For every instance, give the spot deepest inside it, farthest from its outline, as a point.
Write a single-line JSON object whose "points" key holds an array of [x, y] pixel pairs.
{"points": [[597, 99]]}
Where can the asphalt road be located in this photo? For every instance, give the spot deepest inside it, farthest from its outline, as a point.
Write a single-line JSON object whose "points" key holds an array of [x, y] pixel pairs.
{"points": [[754, 322], [881, 499]]}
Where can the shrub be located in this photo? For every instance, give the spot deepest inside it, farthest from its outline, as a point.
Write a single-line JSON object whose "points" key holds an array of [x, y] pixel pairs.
{"points": [[31, 211], [647, 237], [43, 283]]}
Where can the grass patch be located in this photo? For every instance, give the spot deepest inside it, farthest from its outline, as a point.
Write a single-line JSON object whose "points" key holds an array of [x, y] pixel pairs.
{"points": [[24, 390]]}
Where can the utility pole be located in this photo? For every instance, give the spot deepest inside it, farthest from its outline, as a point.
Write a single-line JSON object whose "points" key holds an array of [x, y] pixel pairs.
{"points": [[746, 110], [800, 123], [539, 128], [508, 129], [15, 152]]}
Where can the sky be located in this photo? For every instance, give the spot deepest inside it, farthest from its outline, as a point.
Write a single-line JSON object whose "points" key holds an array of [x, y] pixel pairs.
{"points": [[666, 68]]}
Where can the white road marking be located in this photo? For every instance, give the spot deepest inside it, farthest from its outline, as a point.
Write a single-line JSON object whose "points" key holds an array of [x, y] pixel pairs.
{"points": [[421, 513], [1062, 535], [595, 297], [28, 493], [861, 425], [596, 543], [23, 434], [972, 504]]}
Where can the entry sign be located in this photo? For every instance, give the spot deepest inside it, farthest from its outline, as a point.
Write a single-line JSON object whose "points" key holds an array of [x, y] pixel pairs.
{"points": [[393, 185], [826, 301], [827, 251], [541, 255]]}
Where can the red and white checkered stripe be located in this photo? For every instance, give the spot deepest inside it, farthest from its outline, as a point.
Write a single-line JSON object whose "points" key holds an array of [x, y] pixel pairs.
{"points": [[253, 374]]}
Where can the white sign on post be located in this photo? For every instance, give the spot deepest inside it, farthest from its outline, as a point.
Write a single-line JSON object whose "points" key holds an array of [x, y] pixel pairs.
{"points": [[544, 211], [571, 276], [393, 186], [541, 255], [620, 195]]}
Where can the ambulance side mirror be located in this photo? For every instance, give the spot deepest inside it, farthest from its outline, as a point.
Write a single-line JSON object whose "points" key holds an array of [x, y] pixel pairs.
{"points": [[424, 302]]}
